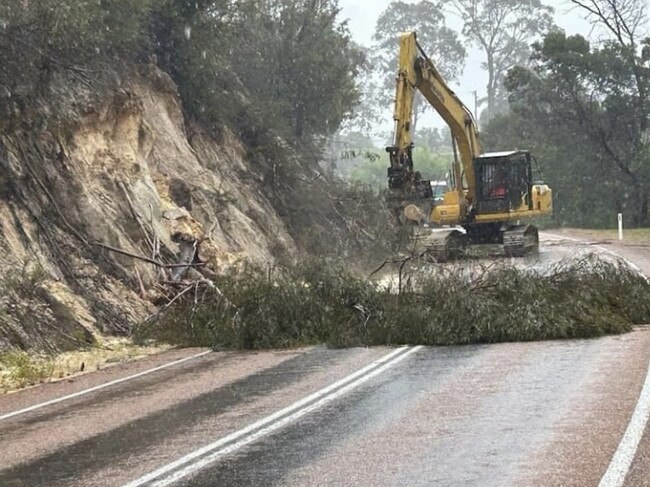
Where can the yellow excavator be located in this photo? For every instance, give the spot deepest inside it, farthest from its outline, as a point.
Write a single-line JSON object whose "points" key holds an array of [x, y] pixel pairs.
{"points": [[489, 193]]}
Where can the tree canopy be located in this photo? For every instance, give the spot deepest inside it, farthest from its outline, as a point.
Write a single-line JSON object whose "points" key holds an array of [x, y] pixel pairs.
{"points": [[440, 42], [241, 63], [504, 31], [581, 109]]}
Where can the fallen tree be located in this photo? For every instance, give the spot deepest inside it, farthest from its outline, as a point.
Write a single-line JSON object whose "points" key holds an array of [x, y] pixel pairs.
{"points": [[322, 303]]}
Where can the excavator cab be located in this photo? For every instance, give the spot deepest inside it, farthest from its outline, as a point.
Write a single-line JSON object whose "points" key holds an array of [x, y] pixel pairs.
{"points": [[504, 182]]}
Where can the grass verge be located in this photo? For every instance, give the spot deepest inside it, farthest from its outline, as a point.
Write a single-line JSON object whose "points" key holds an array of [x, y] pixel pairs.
{"points": [[324, 303], [632, 236], [20, 369]]}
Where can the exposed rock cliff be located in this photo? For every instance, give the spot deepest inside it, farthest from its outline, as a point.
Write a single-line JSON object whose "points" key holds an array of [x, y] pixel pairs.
{"points": [[128, 171]]}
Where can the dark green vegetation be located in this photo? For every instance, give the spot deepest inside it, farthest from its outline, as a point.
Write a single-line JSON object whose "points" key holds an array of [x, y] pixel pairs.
{"points": [[280, 74], [321, 303], [587, 124], [251, 64], [583, 109]]}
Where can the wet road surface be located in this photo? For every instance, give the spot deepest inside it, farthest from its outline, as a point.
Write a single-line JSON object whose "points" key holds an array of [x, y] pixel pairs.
{"points": [[549, 413]]}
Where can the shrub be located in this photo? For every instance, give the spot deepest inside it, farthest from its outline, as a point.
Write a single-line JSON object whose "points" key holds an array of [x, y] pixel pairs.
{"points": [[21, 369]]}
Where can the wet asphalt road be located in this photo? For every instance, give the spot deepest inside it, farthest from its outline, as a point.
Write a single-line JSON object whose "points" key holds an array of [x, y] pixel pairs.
{"points": [[548, 413]]}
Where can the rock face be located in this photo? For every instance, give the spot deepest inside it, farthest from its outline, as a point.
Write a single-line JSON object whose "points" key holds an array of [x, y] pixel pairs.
{"points": [[130, 174]]}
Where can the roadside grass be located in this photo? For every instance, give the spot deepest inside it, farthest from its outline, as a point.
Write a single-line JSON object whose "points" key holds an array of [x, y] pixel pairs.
{"points": [[633, 236], [20, 369], [323, 303]]}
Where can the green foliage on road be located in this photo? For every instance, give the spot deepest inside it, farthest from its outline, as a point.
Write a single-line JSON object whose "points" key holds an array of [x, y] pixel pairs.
{"points": [[323, 303]]}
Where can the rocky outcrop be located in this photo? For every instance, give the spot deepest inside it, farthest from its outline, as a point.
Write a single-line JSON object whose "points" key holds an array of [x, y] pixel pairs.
{"points": [[129, 173]]}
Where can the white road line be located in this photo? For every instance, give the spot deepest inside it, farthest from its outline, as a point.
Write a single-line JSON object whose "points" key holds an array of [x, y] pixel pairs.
{"points": [[622, 460], [101, 386], [210, 453]]}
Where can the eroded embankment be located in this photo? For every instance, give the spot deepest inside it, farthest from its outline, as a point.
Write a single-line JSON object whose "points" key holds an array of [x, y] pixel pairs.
{"points": [[125, 170]]}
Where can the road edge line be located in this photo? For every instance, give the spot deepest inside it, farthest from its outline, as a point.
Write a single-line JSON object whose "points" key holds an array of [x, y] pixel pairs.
{"points": [[100, 386], [619, 466], [621, 462]]}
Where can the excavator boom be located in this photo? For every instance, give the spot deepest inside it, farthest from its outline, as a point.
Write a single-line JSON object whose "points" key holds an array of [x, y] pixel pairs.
{"points": [[417, 72]]}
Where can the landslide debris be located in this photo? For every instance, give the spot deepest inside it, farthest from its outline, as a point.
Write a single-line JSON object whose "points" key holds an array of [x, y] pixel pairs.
{"points": [[122, 176], [144, 142]]}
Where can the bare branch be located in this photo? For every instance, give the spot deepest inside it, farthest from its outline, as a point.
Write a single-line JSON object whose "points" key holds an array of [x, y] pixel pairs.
{"points": [[146, 259]]}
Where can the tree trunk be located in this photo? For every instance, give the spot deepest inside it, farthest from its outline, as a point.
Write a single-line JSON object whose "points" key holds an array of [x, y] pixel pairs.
{"points": [[643, 209], [491, 86]]}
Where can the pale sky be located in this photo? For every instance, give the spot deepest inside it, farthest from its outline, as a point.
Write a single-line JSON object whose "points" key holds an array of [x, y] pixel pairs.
{"points": [[362, 17]]}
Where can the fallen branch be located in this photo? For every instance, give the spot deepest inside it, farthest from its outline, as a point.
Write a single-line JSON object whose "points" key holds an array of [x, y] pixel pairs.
{"points": [[147, 259], [179, 295]]}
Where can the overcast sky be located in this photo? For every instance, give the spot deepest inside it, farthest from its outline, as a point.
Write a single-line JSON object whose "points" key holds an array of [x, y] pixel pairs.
{"points": [[362, 16]]}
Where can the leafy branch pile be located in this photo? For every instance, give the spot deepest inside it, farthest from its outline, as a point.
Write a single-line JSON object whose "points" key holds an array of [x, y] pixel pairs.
{"points": [[320, 303]]}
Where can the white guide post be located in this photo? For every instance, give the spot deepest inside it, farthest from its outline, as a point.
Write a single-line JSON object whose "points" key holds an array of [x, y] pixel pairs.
{"points": [[620, 226]]}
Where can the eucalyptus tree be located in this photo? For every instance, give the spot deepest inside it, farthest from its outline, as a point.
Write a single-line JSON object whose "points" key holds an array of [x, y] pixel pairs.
{"points": [[439, 41], [504, 31]]}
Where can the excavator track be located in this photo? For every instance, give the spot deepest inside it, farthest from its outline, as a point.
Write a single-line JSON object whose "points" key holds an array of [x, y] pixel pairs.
{"points": [[443, 246], [451, 244], [520, 240]]}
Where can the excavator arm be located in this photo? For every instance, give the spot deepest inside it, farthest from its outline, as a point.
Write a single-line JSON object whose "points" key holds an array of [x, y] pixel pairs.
{"points": [[418, 73]]}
